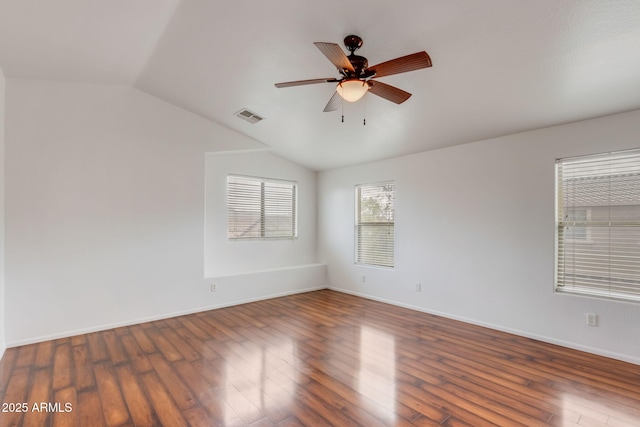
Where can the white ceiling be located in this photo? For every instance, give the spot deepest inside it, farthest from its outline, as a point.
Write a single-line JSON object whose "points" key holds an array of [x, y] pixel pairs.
{"points": [[499, 66]]}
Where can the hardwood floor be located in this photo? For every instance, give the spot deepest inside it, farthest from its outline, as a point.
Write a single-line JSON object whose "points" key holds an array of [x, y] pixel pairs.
{"points": [[316, 359]]}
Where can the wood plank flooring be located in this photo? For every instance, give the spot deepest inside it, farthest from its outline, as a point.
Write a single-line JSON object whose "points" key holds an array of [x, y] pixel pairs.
{"points": [[315, 359]]}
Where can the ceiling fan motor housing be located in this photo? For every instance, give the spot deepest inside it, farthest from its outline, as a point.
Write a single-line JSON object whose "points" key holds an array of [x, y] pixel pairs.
{"points": [[360, 65]]}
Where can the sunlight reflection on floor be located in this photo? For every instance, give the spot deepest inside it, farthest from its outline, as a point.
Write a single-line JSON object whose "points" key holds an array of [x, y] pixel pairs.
{"points": [[578, 411], [258, 380], [376, 376]]}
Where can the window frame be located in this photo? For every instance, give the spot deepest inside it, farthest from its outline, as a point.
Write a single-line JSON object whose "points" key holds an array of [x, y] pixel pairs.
{"points": [[607, 182], [264, 199], [359, 224]]}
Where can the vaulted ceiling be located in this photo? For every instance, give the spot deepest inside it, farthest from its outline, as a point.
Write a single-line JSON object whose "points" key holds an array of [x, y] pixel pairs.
{"points": [[499, 66]]}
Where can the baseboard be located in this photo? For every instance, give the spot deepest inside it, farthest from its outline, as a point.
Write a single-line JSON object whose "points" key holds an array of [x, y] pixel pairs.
{"points": [[549, 340], [158, 317]]}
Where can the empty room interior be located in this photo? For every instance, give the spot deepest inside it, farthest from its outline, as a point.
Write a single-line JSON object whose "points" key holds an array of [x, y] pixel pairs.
{"points": [[291, 213]]}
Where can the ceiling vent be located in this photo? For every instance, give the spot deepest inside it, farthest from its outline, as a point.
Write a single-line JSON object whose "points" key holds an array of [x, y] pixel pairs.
{"points": [[249, 116]]}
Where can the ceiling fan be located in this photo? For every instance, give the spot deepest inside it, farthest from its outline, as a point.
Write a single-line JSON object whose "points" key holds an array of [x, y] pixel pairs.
{"points": [[356, 77]]}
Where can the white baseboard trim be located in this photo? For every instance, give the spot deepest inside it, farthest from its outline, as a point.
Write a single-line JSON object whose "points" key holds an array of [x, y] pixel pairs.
{"points": [[562, 343], [137, 321]]}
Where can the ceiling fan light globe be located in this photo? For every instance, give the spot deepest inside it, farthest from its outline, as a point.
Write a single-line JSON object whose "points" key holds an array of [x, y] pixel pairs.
{"points": [[352, 90]]}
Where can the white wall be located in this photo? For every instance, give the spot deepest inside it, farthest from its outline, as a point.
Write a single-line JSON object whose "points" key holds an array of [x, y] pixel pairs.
{"points": [[475, 226], [224, 257], [2, 303], [105, 211]]}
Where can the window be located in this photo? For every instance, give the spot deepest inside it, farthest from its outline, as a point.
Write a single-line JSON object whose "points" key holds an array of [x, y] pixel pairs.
{"points": [[598, 225], [374, 228], [259, 208]]}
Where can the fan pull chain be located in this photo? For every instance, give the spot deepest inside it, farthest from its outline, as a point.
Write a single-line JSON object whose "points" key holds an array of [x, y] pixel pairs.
{"points": [[364, 111], [342, 106]]}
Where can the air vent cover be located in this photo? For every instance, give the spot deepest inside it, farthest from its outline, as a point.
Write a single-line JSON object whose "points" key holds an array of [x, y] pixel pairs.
{"points": [[249, 116]]}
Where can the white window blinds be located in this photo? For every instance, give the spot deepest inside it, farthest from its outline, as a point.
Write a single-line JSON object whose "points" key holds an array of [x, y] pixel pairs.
{"points": [[598, 225], [374, 224], [260, 208]]}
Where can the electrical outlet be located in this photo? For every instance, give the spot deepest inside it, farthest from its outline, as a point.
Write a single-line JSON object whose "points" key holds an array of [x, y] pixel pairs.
{"points": [[213, 287], [592, 319], [363, 278], [418, 287]]}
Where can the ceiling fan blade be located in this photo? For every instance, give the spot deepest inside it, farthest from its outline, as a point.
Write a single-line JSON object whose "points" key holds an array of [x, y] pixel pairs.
{"points": [[388, 92], [333, 103], [306, 82], [336, 55], [415, 61]]}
